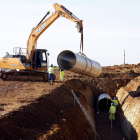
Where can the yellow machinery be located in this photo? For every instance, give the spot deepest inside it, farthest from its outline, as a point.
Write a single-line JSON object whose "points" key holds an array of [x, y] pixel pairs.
{"points": [[35, 59]]}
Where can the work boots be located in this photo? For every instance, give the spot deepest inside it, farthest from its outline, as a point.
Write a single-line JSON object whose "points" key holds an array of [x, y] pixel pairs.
{"points": [[113, 121], [110, 122], [50, 82]]}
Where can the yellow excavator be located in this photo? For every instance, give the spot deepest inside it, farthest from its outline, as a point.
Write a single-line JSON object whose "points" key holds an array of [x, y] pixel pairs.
{"points": [[35, 60]]}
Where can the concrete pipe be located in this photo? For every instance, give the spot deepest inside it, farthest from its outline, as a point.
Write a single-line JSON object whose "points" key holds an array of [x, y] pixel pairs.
{"points": [[103, 103], [68, 60]]}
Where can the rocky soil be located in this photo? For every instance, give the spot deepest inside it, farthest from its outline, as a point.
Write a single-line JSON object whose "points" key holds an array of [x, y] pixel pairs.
{"points": [[37, 110], [129, 109]]}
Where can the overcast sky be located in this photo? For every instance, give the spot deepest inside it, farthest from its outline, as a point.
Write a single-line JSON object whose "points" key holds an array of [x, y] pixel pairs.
{"points": [[110, 26]]}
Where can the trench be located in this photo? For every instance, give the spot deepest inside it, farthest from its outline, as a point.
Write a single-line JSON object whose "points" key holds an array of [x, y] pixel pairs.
{"points": [[53, 116], [101, 116]]}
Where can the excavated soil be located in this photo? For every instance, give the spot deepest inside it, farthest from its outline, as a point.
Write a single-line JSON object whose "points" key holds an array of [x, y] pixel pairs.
{"points": [[37, 110], [129, 110]]}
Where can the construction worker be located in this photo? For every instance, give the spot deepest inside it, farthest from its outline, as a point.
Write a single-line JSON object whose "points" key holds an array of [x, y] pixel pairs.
{"points": [[61, 74], [50, 76], [112, 111], [115, 102]]}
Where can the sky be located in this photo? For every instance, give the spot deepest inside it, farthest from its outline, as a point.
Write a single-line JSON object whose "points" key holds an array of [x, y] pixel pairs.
{"points": [[109, 26]]}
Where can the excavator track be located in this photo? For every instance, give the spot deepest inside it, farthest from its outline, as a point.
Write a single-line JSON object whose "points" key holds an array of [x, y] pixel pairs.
{"points": [[25, 76]]}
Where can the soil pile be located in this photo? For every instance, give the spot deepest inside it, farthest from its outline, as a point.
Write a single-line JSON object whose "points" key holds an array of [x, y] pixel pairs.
{"points": [[129, 109], [37, 110], [51, 116]]}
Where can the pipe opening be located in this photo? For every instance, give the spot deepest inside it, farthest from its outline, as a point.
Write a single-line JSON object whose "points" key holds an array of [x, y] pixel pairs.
{"points": [[66, 60], [104, 103]]}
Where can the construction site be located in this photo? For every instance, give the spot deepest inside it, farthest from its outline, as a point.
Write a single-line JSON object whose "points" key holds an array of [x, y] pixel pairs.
{"points": [[36, 110], [78, 99]]}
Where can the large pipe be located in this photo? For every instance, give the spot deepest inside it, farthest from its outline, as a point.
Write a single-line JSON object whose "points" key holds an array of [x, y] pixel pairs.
{"points": [[68, 60], [103, 103]]}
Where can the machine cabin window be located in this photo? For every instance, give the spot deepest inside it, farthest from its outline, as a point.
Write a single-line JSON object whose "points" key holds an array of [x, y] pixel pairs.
{"points": [[44, 56]]}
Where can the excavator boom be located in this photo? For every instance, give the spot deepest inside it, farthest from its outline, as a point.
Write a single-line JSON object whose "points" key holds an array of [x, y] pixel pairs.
{"points": [[60, 10]]}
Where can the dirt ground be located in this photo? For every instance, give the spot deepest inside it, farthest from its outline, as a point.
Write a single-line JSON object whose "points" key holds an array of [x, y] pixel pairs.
{"points": [[37, 110], [106, 131]]}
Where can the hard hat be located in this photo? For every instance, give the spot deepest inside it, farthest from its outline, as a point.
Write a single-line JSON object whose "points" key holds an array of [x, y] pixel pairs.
{"points": [[112, 104], [51, 65]]}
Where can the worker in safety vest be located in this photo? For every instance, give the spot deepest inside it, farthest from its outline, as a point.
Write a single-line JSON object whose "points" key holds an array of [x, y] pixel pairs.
{"points": [[50, 76], [61, 74], [112, 111], [115, 102]]}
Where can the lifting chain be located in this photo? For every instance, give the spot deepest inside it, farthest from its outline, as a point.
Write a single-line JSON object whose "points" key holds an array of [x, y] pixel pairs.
{"points": [[81, 45]]}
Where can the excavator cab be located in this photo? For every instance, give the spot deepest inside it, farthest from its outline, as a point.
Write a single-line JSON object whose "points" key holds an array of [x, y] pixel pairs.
{"points": [[40, 58], [38, 61]]}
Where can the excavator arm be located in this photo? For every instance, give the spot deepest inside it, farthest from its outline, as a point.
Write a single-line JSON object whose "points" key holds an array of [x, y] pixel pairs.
{"points": [[60, 10]]}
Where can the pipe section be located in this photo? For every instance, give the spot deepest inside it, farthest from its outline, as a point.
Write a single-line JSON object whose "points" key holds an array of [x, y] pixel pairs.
{"points": [[68, 60], [104, 103]]}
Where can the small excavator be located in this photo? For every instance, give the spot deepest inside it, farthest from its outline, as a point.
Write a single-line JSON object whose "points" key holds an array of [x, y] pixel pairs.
{"points": [[32, 65]]}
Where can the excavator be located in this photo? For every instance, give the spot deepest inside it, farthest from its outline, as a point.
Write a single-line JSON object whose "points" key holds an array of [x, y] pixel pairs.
{"points": [[32, 66]]}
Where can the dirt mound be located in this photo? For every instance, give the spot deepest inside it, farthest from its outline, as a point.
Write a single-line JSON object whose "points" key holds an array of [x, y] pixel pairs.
{"points": [[138, 64], [52, 116], [129, 109]]}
